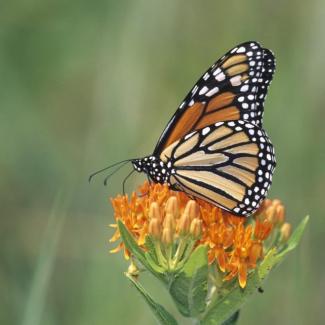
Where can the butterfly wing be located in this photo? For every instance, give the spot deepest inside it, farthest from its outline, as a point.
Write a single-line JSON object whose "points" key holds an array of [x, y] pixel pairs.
{"points": [[231, 89], [229, 164]]}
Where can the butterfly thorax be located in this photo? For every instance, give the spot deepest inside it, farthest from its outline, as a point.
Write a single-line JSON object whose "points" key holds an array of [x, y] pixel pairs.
{"points": [[156, 169]]}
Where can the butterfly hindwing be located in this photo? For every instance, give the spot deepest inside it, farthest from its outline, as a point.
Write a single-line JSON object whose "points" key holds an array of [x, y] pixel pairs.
{"points": [[233, 88], [229, 164]]}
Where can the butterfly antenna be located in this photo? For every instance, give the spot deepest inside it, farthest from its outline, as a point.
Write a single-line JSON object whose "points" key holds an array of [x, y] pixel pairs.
{"points": [[108, 167], [125, 179], [113, 172]]}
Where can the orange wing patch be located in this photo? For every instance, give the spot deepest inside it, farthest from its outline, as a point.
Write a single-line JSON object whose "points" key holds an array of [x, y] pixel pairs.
{"points": [[186, 145], [234, 59], [228, 114], [186, 123], [200, 115], [166, 154], [237, 69], [251, 149], [220, 101], [201, 158], [216, 134], [247, 162], [236, 138], [243, 175]]}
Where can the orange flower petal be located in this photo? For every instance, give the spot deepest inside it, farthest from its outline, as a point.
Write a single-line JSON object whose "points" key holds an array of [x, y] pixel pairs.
{"points": [[242, 275], [221, 257]]}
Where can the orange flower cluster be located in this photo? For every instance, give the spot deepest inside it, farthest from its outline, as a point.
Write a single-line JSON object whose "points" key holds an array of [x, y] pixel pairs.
{"points": [[235, 244], [137, 212]]}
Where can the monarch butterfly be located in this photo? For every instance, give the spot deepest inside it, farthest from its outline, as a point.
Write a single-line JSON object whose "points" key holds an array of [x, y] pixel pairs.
{"points": [[214, 147]]}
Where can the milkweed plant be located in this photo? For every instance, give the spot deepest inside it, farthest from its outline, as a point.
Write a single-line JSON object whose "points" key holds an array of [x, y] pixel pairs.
{"points": [[208, 260]]}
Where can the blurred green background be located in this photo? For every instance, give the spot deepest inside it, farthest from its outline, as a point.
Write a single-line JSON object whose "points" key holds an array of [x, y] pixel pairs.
{"points": [[87, 83]]}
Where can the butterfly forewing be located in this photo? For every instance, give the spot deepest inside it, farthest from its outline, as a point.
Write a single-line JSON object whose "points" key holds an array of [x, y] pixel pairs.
{"points": [[229, 164], [233, 88]]}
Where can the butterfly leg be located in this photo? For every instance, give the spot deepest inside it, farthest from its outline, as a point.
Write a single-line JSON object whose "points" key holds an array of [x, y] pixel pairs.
{"points": [[147, 193], [125, 179]]}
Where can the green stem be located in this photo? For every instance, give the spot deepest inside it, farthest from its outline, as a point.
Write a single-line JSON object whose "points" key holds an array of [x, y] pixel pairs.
{"points": [[169, 254], [160, 256], [179, 252]]}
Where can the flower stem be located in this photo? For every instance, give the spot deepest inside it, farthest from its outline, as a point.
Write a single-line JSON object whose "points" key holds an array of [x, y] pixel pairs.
{"points": [[161, 258], [179, 252]]}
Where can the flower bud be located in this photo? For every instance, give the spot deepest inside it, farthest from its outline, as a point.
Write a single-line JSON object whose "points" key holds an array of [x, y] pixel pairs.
{"points": [[256, 252], [154, 211], [154, 228], [133, 269], [276, 202], [280, 213], [267, 203], [285, 231], [167, 236], [270, 214], [172, 207], [261, 210], [196, 227], [192, 209], [169, 222], [184, 224]]}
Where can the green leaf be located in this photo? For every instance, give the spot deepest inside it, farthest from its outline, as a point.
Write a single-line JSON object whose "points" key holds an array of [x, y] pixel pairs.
{"points": [[233, 319], [151, 248], [162, 315], [189, 289], [133, 247], [151, 256], [267, 264], [131, 244]]}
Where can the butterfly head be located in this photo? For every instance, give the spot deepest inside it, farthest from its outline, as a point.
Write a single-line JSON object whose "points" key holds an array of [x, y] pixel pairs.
{"points": [[155, 168]]}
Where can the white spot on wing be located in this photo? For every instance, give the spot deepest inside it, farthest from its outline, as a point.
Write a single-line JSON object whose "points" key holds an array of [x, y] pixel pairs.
{"points": [[235, 81], [203, 90], [188, 135], [241, 50], [206, 76], [182, 105], [217, 71], [194, 90], [244, 88], [205, 131], [212, 91], [220, 77]]}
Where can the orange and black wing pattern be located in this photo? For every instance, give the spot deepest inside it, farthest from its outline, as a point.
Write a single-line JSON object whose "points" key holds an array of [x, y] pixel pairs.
{"points": [[229, 164], [234, 88]]}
